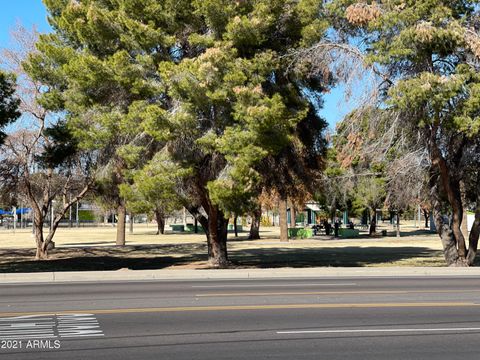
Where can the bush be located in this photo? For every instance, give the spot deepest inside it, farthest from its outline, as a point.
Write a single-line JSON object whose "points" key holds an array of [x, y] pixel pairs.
{"points": [[301, 233], [191, 228], [86, 215], [349, 233], [265, 221]]}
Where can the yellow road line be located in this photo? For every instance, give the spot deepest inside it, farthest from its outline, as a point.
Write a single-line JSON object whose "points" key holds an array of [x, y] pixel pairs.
{"points": [[355, 292], [244, 307]]}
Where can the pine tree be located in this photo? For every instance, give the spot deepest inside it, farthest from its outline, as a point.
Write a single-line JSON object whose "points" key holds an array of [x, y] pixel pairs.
{"points": [[8, 102], [430, 53], [207, 82]]}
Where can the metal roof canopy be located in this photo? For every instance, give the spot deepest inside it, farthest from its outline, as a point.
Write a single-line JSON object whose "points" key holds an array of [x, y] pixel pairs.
{"points": [[313, 207]]}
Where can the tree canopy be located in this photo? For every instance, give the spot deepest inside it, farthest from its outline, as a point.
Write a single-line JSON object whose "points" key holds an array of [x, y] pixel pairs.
{"points": [[205, 82], [8, 102], [41, 159], [209, 104], [429, 54]]}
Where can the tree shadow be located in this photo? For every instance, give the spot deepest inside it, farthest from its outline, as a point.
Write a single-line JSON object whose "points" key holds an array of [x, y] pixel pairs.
{"points": [[97, 263], [98, 243], [194, 255], [141, 257], [351, 256], [417, 232], [364, 234]]}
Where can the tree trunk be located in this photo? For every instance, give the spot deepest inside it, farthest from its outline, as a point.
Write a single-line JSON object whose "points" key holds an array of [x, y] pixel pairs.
{"points": [[473, 239], [42, 250], [464, 221], [235, 225], [447, 237], [38, 221], [282, 209], [293, 215], [217, 238], [131, 223], [45, 244], [474, 234], [457, 217], [464, 226], [398, 224], [426, 214], [121, 213], [451, 188], [373, 223], [160, 217], [446, 234], [255, 227], [199, 218]]}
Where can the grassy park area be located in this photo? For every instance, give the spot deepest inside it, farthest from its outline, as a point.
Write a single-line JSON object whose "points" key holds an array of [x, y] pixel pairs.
{"points": [[224, 113], [93, 248]]}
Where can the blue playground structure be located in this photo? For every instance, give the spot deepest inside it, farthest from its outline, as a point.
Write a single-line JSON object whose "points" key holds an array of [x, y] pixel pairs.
{"points": [[19, 211]]}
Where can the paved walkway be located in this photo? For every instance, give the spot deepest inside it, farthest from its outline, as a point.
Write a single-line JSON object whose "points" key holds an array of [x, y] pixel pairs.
{"points": [[140, 275]]}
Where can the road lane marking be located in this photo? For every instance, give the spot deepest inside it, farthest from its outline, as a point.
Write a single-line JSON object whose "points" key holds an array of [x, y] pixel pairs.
{"points": [[250, 307], [269, 285], [367, 292], [42, 326], [345, 331], [21, 336]]}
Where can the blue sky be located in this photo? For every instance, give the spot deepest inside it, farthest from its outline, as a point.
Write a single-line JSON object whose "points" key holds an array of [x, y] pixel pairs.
{"points": [[32, 12], [28, 12]]}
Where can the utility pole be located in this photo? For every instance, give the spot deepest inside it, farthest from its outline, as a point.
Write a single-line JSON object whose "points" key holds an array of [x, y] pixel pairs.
{"points": [[51, 215]]}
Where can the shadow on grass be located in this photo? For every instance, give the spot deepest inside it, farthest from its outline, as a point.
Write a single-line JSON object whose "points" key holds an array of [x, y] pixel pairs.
{"points": [[391, 233], [98, 243], [95, 263], [103, 258], [195, 255], [345, 256], [418, 232]]}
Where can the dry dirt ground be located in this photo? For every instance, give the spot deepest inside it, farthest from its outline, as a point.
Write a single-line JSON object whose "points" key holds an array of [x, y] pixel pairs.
{"points": [[93, 248]]}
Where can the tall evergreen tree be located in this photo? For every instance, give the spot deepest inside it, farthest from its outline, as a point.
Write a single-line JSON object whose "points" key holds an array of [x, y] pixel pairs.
{"points": [[100, 66], [206, 81], [430, 52], [8, 102]]}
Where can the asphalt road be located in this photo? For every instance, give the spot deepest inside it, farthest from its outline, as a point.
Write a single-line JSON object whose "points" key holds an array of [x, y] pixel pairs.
{"points": [[330, 318]]}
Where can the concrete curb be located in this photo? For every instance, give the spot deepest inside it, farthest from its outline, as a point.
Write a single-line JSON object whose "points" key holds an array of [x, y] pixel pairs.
{"points": [[233, 274]]}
